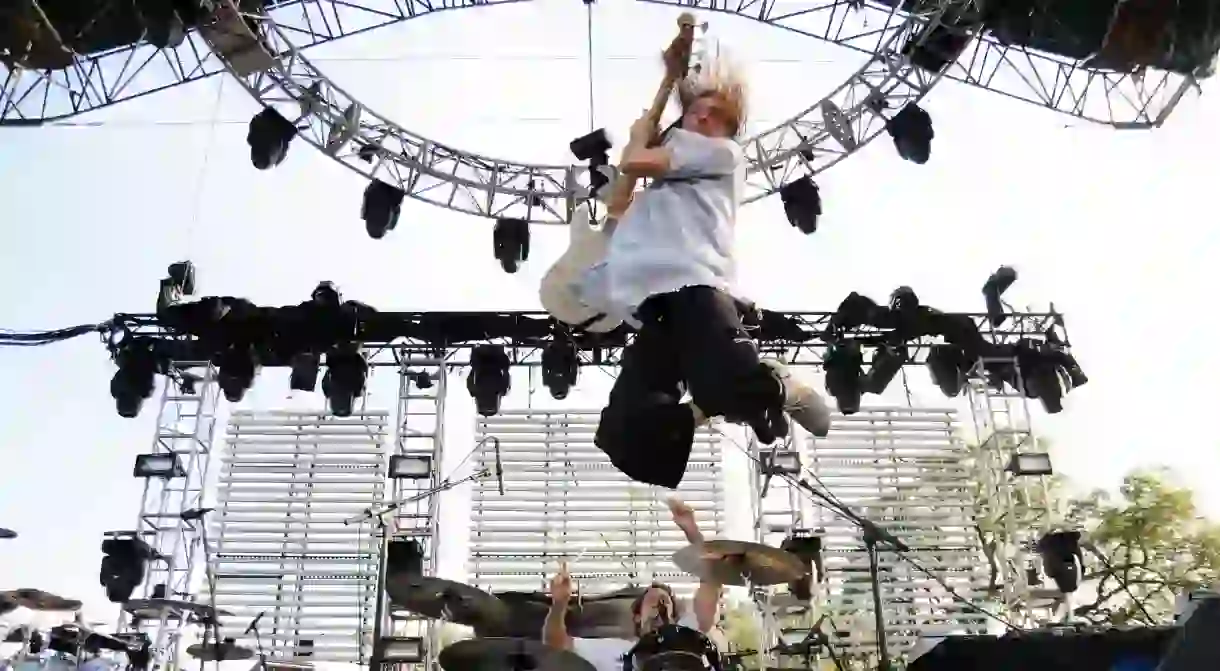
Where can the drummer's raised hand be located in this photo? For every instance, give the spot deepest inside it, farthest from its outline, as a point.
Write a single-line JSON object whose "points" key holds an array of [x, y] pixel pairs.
{"points": [[684, 518], [561, 586]]}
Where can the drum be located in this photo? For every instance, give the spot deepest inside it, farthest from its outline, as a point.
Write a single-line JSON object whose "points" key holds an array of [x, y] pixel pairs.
{"points": [[47, 663], [675, 648]]}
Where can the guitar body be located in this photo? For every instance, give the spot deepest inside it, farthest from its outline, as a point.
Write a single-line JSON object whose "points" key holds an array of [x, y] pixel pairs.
{"points": [[586, 247]]}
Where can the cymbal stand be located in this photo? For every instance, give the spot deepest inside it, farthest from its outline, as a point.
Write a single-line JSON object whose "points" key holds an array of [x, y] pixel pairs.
{"points": [[212, 622], [873, 535], [379, 514]]}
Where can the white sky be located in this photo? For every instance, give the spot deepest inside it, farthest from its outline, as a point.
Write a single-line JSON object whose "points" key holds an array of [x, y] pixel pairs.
{"points": [[1098, 221]]}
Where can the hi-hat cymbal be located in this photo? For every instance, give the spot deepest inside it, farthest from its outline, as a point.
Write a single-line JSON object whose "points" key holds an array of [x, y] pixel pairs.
{"points": [[6, 534], [447, 600], [508, 654], [222, 652], [36, 599], [727, 562], [151, 609]]}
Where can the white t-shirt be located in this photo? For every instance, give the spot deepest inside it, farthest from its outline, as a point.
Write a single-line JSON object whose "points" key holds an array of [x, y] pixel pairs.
{"points": [[606, 654], [676, 233]]}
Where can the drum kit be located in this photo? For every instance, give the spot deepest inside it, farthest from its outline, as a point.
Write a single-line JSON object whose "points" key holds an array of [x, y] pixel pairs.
{"points": [[507, 624], [65, 647]]}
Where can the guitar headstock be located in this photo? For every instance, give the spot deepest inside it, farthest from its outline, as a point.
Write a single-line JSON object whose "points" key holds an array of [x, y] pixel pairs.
{"points": [[677, 55]]}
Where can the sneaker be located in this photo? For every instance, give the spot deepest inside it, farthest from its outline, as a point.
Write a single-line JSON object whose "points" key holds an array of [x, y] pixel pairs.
{"points": [[802, 403]]}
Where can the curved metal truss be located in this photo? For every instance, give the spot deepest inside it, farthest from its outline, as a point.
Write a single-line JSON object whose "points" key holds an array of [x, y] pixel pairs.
{"points": [[335, 123]]}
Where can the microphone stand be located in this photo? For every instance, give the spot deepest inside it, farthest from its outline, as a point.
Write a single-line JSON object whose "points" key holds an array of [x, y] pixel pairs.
{"points": [[873, 535], [383, 559]]}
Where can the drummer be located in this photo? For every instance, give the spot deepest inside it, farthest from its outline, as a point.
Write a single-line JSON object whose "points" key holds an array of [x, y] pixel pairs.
{"points": [[654, 608]]}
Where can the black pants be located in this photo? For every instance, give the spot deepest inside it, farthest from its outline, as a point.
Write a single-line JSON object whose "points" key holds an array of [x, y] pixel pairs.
{"points": [[693, 335]]}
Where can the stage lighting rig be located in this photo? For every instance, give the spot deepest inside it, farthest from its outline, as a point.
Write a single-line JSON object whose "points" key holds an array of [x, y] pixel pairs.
{"points": [[949, 368], [1057, 351], [269, 136], [489, 379], [346, 372], [844, 366], [237, 365], [807, 546], [381, 208], [123, 565], [594, 149], [1062, 560], [559, 367], [888, 360], [164, 26], [511, 238], [326, 295], [134, 381], [304, 375], [802, 204], [993, 289], [911, 130], [179, 282]]}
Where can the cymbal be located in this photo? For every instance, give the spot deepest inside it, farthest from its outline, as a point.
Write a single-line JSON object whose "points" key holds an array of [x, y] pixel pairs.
{"points": [[509, 654], [36, 599], [151, 609], [6, 534], [223, 652], [447, 600], [739, 563]]}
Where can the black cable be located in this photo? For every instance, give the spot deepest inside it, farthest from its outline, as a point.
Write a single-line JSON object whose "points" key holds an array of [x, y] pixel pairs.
{"points": [[11, 338]]}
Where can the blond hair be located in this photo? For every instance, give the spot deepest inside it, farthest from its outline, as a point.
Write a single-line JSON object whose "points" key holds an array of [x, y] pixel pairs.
{"points": [[718, 79]]}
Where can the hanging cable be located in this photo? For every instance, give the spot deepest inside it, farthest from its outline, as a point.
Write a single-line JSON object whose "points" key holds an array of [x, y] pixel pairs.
{"points": [[589, 58], [200, 181]]}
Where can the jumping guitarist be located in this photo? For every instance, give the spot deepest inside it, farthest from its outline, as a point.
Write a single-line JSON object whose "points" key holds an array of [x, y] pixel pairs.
{"points": [[669, 271]]}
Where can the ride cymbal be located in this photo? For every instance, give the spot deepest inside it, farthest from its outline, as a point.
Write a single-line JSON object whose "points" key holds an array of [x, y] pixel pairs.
{"points": [[726, 562]]}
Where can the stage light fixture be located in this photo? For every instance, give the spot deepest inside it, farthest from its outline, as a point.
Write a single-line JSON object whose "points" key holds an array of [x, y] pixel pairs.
{"points": [[511, 240], [911, 130], [304, 376], [269, 136], [327, 295], [806, 545], [591, 146], [123, 567], [164, 465], [993, 289], [134, 381], [163, 27], [1030, 463], [404, 558], [236, 367], [783, 462], [421, 379], [888, 360], [802, 204], [560, 367], [1062, 560], [346, 372], [1057, 351], [844, 366], [948, 367], [410, 466], [381, 208], [398, 650], [489, 379]]}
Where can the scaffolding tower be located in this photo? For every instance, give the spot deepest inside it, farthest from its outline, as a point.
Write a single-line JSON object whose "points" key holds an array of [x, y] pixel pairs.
{"points": [[422, 385], [291, 483], [186, 422]]}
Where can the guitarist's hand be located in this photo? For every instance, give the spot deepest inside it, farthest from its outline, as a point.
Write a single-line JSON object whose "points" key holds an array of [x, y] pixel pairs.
{"points": [[677, 58]]}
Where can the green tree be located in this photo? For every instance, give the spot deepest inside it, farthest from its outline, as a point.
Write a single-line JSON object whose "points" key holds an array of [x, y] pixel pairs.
{"points": [[1152, 544]]}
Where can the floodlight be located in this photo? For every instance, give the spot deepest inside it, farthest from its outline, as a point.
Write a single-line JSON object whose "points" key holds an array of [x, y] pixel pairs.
{"points": [[993, 289], [381, 209], [948, 366], [304, 376], [236, 367], [489, 379], [911, 130], [843, 364], [511, 241], [269, 136], [123, 567], [410, 466], [164, 465], [802, 204], [346, 372], [1062, 560], [559, 367], [807, 547], [592, 146], [1030, 463], [134, 381], [888, 360], [326, 294], [398, 650], [783, 462]]}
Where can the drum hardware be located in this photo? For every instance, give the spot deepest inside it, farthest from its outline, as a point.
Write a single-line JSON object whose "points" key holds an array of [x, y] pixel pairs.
{"points": [[447, 600], [727, 562], [226, 651], [509, 654], [673, 647], [154, 609]]}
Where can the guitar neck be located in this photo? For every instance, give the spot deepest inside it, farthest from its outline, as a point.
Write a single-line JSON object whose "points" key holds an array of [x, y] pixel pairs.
{"points": [[661, 100], [624, 186]]}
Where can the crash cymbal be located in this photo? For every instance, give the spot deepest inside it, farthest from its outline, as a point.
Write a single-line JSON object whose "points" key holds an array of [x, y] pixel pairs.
{"points": [[447, 600], [36, 599], [151, 609], [227, 651], [6, 534], [739, 563], [508, 654]]}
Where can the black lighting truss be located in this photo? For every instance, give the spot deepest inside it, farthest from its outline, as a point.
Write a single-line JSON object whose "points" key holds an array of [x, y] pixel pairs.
{"points": [[389, 338]]}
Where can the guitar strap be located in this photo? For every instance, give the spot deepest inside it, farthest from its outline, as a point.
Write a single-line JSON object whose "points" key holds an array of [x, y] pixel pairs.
{"points": [[590, 321]]}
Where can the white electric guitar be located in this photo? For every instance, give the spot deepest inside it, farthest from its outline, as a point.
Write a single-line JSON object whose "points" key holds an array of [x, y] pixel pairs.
{"points": [[587, 245]]}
